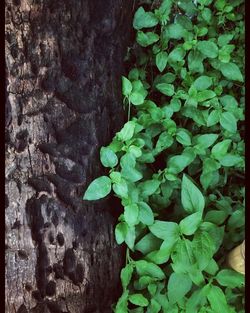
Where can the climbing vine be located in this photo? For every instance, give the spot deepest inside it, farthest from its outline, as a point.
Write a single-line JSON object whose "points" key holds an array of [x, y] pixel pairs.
{"points": [[178, 163]]}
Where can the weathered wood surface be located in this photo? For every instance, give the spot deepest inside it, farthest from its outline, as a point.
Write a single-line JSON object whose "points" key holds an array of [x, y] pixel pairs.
{"points": [[63, 101]]}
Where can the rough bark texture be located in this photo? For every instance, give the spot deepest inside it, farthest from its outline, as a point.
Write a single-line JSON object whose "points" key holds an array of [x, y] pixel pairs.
{"points": [[63, 101]]}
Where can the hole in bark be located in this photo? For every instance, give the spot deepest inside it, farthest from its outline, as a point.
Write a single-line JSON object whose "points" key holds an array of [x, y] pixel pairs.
{"points": [[60, 239], [22, 254], [51, 288], [22, 309], [51, 238], [16, 225], [58, 269], [28, 287], [37, 295]]}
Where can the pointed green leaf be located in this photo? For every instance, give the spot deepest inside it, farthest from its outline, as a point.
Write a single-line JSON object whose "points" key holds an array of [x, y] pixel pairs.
{"points": [[99, 188]]}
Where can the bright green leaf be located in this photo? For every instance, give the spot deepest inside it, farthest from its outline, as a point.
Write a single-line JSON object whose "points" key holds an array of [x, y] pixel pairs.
{"points": [[99, 188]]}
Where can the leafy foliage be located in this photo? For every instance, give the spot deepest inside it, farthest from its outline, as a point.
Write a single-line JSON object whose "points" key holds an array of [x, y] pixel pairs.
{"points": [[178, 163]]}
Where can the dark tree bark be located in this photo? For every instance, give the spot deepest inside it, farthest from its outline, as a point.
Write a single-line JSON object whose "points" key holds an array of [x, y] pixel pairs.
{"points": [[63, 102]]}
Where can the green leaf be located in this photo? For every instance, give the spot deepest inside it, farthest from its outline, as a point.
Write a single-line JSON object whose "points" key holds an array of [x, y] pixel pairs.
{"points": [[164, 141], [148, 243], [99, 188], [161, 60], [138, 299], [146, 39], [183, 256], [207, 140], [126, 275], [178, 286], [212, 267], [230, 278], [127, 131], [183, 137], [177, 54], [220, 149], [146, 215], [206, 14], [228, 122], [131, 174], [121, 188], [130, 237], [136, 98], [115, 177], [144, 19], [216, 217], [166, 89], [190, 224], [159, 256], [121, 230], [126, 86], [108, 157], [149, 187], [131, 213], [145, 268], [122, 304], [224, 39], [176, 164], [203, 82], [231, 160], [195, 62], [205, 95], [196, 275], [191, 198], [203, 248], [154, 306], [175, 31], [208, 48], [165, 230], [217, 300], [231, 71], [213, 118]]}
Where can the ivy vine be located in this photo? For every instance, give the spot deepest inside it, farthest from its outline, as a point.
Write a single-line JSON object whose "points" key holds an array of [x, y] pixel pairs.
{"points": [[178, 163]]}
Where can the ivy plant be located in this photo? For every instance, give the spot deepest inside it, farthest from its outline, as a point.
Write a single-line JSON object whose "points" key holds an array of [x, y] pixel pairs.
{"points": [[178, 163]]}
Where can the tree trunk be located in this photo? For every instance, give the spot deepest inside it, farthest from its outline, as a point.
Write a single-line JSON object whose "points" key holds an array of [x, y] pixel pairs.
{"points": [[63, 102]]}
